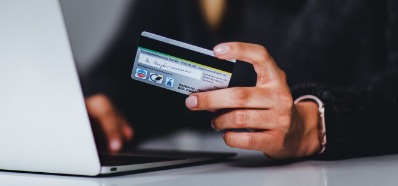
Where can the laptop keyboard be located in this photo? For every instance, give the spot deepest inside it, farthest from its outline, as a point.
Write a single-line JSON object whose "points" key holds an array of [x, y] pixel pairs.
{"points": [[113, 160]]}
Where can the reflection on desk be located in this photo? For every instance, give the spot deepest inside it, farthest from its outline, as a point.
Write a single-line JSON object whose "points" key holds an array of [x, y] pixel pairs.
{"points": [[248, 168]]}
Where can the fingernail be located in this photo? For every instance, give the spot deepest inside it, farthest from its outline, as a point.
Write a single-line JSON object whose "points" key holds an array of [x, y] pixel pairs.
{"points": [[128, 132], [223, 135], [221, 49], [212, 124], [191, 102], [115, 145]]}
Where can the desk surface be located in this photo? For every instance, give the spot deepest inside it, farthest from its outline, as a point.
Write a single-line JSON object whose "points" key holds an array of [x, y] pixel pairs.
{"points": [[248, 168]]}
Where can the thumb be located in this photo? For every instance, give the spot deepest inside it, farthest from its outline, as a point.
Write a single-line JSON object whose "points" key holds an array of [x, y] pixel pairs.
{"points": [[257, 55]]}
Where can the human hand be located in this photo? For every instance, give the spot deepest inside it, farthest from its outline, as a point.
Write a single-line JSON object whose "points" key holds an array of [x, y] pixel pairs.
{"points": [[116, 129], [280, 129]]}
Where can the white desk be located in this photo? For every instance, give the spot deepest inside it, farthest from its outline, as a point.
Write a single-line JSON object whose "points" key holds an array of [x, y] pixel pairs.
{"points": [[248, 168]]}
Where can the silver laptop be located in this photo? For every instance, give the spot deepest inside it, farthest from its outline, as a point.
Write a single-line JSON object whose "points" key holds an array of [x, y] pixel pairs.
{"points": [[43, 118]]}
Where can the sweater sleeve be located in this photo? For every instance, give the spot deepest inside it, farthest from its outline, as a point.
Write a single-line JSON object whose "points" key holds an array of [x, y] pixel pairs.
{"points": [[362, 121]]}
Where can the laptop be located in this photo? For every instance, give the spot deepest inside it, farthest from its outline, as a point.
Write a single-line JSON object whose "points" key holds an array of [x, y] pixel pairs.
{"points": [[44, 122]]}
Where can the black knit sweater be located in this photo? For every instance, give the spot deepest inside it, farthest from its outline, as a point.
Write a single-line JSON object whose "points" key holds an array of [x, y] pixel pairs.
{"points": [[345, 52]]}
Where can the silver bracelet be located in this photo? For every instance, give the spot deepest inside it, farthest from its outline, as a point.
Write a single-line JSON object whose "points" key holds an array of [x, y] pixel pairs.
{"points": [[322, 125]]}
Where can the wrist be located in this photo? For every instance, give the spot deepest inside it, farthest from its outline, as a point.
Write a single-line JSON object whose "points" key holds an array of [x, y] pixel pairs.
{"points": [[309, 115]]}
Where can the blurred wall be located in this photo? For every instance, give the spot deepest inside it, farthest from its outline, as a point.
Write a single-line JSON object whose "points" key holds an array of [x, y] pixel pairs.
{"points": [[91, 25]]}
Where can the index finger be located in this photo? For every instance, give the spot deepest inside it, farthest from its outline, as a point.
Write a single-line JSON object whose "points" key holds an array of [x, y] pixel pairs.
{"points": [[236, 97]]}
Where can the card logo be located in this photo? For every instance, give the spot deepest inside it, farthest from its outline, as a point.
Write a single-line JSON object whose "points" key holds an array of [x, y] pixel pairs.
{"points": [[157, 78], [140, 73], [169, 82]]}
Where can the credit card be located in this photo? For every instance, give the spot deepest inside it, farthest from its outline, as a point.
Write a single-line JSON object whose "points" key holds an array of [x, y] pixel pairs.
{"points": [[179, 66]]}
